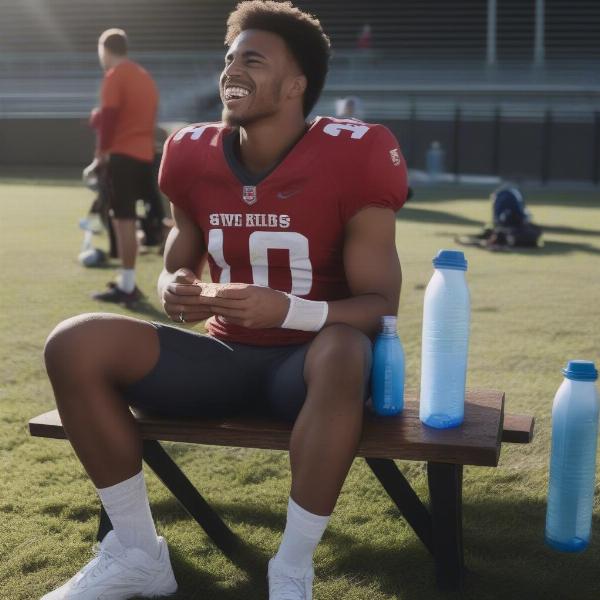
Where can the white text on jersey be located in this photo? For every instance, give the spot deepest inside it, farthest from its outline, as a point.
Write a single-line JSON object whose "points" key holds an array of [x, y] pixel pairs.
{"points": [[249, 220]]}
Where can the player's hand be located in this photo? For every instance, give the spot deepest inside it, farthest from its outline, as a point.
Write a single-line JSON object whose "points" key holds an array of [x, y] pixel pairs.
{"points": [[181, 298], [252, 306]]}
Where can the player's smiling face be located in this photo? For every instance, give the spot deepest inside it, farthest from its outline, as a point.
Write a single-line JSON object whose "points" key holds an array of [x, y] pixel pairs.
{"points": [[257, 76]]}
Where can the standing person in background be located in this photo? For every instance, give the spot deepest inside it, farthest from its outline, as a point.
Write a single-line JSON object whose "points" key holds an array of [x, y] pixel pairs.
{"points": [[94, 177], [129, 102], [350, 107], [365, 38]]}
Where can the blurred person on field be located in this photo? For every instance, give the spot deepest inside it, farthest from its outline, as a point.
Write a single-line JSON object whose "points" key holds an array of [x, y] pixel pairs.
{"points": [[365, 38], [125, 149], [94, 178], [350, 107], [512, 225]]}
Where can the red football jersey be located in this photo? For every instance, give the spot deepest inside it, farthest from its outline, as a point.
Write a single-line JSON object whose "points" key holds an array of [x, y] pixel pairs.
{"points": [[283, 229]]}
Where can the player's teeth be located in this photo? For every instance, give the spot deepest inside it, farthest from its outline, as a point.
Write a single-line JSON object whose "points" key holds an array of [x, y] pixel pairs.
{"points": [[236, 92]]}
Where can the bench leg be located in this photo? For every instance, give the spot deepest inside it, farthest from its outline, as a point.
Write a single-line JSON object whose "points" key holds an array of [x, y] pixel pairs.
{"points": [[188, 496], [405, 498], [445, 492]]}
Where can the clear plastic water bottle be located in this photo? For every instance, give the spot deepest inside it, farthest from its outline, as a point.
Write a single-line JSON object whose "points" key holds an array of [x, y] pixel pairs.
{"points": [[573, 459], [387, 374], [445, 342], [434, 159]]}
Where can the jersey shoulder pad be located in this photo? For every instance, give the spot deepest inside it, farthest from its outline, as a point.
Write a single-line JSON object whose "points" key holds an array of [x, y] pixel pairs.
{"points": [[344, 130], [201, 133], [371, 166], [183, 157]]}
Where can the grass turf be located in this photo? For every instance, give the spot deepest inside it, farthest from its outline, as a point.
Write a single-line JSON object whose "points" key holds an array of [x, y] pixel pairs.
{"points": [[532, 310]]}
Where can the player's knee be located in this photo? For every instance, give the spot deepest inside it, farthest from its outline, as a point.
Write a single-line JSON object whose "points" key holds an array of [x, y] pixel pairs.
{"points": [[66, 343], [341, 347]]}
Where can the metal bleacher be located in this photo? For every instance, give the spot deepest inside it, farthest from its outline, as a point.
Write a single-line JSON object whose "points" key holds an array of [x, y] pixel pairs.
{"points": [[67, 85], [426, 56]]}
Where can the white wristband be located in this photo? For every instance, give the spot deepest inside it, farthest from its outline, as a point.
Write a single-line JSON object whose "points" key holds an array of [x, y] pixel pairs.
{"points": [[305, 315]]}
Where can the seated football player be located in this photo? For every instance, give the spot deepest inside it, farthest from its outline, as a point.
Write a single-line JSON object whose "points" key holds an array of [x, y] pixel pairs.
{"points": [[511, 227], [296, 220]]}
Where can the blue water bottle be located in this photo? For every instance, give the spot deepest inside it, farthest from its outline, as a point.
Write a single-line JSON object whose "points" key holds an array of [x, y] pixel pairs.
{"points": [[573, 459], [445, 342], [387, 374]]}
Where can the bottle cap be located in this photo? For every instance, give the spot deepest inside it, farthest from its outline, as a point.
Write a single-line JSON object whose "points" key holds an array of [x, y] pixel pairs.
{"points": [[580, 370], [450, 259], [388, 324]]}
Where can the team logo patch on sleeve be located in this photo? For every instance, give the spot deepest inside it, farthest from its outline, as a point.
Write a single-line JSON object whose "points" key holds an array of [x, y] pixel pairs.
{"points": [[249, 194], [395, 156]]}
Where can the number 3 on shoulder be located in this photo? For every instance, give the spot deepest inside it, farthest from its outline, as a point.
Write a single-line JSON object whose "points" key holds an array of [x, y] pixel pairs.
{"points": [[358, 129]]}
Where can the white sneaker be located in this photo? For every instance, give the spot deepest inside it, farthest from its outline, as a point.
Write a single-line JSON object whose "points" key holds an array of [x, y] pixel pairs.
{"points": [[118, 573], [286, 586]]}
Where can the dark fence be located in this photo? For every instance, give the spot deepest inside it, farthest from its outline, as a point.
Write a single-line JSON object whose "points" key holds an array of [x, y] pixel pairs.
{"points": [[544, 149]]}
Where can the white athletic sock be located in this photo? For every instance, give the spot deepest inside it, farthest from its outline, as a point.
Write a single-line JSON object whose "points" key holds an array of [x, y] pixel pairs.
{"points": [[303, 531], [126, 280], [126, 504]]}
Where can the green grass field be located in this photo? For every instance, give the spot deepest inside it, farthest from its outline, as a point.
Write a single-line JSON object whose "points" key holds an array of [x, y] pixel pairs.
{"points": [[532, 311]]}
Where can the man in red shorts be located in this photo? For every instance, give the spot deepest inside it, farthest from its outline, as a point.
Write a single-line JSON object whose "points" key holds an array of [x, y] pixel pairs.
{"points": [[297, 222], [126, 124]]}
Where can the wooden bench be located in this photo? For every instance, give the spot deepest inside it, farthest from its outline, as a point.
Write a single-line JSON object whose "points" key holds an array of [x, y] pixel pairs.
{"points": [[476, 442]]}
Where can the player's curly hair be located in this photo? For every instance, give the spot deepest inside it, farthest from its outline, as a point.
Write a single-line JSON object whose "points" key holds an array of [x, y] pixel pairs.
{"points": [[301, 32]]}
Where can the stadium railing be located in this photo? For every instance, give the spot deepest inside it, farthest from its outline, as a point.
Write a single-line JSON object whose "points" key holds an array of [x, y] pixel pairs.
{"points": [[67, 84]]}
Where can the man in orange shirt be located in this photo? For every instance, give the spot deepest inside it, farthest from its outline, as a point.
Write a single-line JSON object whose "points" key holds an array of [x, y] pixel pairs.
{"points": [[129, 102]]}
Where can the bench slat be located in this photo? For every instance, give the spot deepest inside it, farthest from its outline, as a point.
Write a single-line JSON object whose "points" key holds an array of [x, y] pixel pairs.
{"points": [[476, 442], [518, 429]]}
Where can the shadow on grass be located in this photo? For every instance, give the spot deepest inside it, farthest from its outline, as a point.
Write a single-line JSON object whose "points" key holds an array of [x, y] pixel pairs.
{"points": [[354, 558], [171, 511], [580, 198], [511, 532], [550, 248], [196, 584], [570, 230], [553, 247], [248, 559], [422, 215], [449, 193], [504, 553], [105, 266]]}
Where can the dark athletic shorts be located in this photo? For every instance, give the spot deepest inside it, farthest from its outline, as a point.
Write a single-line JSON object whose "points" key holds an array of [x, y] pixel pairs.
{"points": [[129, 180], [199, 376]]}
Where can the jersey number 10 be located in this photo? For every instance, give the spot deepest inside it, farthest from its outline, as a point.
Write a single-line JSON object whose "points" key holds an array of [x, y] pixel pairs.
{"points": [[260, 242]]}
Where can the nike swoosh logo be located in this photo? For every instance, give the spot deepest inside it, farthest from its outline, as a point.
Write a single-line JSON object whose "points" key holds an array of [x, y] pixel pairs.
{"points": [[286, 195]]}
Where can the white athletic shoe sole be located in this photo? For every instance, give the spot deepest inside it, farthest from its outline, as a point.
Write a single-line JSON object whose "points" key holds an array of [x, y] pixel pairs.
{"points": [[118, 573]]}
